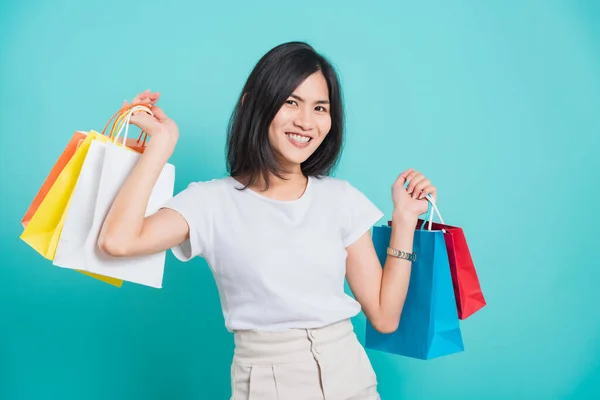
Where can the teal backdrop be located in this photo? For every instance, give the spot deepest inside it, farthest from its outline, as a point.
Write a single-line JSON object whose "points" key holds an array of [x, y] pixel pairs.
{"points": [[498, 102]]}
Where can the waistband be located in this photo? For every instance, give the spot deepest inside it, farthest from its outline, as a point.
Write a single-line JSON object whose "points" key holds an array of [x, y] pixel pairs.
{"points": [[290, 346]]}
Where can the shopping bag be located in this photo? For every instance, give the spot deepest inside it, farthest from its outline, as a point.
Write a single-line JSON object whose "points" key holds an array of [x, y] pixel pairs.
{"points": [[44, 233], [467, 288], [117, 165], [138, 145], [72, 145], [62, 161], [79, 214], [105, 279], [429, 325], [43, 230]]}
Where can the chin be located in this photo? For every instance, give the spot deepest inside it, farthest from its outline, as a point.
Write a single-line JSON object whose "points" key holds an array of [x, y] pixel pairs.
{"points": [[295, 159]]}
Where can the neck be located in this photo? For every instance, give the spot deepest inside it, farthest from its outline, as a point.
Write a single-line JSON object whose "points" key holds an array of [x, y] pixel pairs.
{"points": [[286, 182], [289, 179], [291, 187]]}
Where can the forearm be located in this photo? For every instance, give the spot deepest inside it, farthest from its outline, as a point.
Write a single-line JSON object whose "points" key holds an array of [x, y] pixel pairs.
{"points": [[396, 273], [125, 219]]}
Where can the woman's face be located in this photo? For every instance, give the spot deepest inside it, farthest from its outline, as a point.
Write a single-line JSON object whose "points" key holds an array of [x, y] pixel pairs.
{"points": [[302, 123]]}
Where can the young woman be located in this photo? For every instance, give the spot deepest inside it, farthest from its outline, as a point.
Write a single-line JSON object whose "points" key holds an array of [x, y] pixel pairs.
{"points": [[279, 234]]}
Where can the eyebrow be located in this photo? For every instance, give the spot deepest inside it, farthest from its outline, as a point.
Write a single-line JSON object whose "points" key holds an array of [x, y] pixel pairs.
{"points": [[301, 99]]}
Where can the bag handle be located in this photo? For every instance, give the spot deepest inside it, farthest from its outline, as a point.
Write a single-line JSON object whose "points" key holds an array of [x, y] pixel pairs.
{"points": [[126, 123], [118, 125], [119, 114], [429, 214]]}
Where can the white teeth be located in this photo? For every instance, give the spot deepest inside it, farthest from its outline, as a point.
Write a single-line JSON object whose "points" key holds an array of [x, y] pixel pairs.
{"points": [[298, 138]]}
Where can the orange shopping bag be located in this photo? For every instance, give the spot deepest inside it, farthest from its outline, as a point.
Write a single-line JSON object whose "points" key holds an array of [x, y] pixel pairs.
{"points": [[53, 198], [64, 158], [138, 145]]}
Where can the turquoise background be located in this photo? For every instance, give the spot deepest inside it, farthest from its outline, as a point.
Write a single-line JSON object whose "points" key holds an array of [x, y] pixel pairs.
{"points": [[498, 102]]}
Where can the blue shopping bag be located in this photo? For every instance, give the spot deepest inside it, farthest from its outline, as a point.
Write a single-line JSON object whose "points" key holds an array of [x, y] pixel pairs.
{"points": [[429, 324]]}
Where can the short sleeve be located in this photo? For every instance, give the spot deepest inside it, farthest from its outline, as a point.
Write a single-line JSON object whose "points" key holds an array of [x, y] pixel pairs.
{"points": [[361, 214], [192, 204]]}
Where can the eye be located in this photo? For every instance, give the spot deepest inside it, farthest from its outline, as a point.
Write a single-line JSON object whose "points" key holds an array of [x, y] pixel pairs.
{"points": [[292, 102], [321, 108]]}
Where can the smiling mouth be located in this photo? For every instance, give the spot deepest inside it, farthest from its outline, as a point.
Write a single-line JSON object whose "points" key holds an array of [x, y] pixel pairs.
{"points": [[300, 139]]}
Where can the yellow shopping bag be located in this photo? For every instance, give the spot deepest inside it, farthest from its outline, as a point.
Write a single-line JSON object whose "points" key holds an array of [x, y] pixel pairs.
{"points": [[43, 230]]}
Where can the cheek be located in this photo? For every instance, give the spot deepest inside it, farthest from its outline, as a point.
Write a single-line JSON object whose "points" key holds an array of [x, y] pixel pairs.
{"points": [[325, 126], [280, 120], [275, 126]]}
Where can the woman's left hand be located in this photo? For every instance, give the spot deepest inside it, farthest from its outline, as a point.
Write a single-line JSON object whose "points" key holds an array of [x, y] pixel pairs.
{"points": [[411, 201]]}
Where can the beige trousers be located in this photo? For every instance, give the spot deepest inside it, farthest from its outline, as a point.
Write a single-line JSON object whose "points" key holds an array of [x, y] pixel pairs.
{"points": [[327, 363]]}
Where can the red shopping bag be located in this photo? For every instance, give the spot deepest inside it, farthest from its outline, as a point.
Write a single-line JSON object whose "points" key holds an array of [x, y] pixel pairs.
{"points": [[467, 289]]}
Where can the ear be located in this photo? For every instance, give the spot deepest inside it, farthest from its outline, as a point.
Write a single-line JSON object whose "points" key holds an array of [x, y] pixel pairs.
{"points": [[244, 98]]}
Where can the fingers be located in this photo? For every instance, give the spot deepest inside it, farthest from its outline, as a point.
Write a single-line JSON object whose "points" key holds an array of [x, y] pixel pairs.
{"points": [[429, 189], [142, 98], [418, 185], [401, 180], [145, 98], [153, 97], [141, 118], [159, 114], [144, 121], [432, 190], [414, 178]]}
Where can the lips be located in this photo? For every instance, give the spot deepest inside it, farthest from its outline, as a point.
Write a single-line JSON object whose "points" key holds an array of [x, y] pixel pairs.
{"points": [[298, 140], [296, 137]]}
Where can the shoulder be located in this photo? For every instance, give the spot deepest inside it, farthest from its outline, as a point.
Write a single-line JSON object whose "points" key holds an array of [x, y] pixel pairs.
{"points": [[336, 185], [344, 193], [206, 189], [212, 184]]}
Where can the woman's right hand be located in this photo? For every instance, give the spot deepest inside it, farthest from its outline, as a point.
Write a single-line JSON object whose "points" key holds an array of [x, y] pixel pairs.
{"points": [[126, 230], [162, 129]]}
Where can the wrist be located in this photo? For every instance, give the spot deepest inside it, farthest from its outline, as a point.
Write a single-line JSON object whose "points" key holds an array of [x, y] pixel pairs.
{"points": [[160, 146], [401, 218]]}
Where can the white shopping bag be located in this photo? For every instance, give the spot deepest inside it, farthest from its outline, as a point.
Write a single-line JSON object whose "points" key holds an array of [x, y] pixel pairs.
{"points": [[80, 212], [118, 164]]}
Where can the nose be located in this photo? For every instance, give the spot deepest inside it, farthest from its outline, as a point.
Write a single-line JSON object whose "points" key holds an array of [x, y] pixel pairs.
{"points": [[304, 119]]}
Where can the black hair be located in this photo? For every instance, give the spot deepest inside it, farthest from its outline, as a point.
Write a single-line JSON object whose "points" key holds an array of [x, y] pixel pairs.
{"points": [[276, 75]]}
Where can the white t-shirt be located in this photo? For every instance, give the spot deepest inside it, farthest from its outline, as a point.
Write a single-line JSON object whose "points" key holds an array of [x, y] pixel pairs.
{"points": [[277, 264]]}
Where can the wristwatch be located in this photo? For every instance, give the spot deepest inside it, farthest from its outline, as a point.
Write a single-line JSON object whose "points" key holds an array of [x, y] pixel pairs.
{"points": [[401, 254]]}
